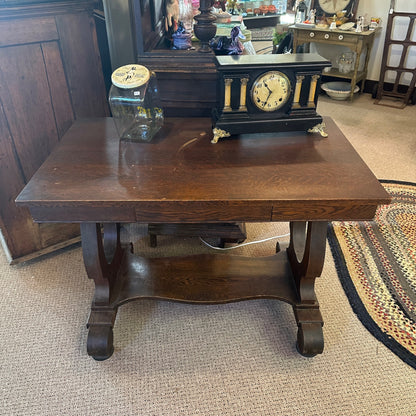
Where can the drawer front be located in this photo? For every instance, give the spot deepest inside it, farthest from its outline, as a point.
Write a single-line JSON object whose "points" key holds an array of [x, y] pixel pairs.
{"points": [[203, 211], [329, 37], [322, 211]]}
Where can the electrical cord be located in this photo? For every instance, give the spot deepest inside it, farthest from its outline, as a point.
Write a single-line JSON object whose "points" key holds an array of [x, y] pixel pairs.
{"points": [[244, 244]]}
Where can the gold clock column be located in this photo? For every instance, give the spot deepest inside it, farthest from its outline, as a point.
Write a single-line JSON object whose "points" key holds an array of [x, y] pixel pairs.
{"points": [[243, 94], [312, 90], [227, 94], [296, 97]]}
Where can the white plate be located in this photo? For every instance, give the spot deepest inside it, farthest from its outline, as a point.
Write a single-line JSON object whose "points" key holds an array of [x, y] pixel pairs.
{"points": [[347, 26]]}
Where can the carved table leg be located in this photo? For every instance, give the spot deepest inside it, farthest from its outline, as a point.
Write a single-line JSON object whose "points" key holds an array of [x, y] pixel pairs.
{"points": [[306, 254], [102, 253]]}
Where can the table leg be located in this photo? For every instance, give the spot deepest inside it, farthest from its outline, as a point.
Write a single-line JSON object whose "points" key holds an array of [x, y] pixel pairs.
{"points": [[306, 253], [102, 253]]}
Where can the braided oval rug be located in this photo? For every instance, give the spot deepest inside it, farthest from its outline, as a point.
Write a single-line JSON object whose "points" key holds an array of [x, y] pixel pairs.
{"points": [[376, 263]]}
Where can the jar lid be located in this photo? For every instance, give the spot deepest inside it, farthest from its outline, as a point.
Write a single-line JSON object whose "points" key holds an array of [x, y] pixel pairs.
{"points": [[130, 76]]}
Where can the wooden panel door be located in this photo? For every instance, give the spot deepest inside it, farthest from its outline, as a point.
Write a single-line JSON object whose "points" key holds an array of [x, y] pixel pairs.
{"points": [[50, 74]]}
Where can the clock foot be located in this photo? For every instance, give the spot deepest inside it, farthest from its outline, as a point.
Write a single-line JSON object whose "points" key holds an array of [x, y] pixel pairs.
{"points": [[219, 134], [319, 128]]}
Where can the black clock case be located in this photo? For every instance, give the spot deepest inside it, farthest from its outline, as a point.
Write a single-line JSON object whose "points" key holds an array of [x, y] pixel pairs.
{"points": [[288, 117]]}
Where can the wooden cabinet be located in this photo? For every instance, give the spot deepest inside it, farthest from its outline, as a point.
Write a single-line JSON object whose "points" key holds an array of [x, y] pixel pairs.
{"points": [[50, 74]]}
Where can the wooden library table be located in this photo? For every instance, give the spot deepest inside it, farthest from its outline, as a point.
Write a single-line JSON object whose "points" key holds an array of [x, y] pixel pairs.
{"points": [[93, 179]]}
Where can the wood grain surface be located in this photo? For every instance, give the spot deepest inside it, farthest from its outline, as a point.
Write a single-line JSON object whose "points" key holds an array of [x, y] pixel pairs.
{"points": [[182, 177]]}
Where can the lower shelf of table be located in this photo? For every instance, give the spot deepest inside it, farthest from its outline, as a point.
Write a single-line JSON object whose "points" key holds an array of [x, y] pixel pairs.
{"points": [[204, 279], [334, 72]]}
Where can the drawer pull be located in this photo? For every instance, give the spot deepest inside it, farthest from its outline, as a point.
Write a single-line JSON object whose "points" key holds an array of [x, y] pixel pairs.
{"points": [[326, 36], [312, 34], [340, 37]]}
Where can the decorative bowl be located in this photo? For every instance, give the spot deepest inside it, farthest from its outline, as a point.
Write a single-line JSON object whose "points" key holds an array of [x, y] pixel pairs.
{"points": [[339, 90]]}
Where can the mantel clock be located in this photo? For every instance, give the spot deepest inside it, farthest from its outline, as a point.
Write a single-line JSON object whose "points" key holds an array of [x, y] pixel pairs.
{"points": [[267, 93]]}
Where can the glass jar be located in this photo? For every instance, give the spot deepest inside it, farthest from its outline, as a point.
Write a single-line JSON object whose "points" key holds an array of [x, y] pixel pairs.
{"points": [[346, 62], [134, 103]]}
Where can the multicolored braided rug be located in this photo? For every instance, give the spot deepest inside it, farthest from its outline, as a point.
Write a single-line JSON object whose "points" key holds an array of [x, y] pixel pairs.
{"points": [[376, 263]]}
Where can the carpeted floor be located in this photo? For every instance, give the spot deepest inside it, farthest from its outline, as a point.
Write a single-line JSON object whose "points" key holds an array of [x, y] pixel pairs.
{"points": [[176, 359]]}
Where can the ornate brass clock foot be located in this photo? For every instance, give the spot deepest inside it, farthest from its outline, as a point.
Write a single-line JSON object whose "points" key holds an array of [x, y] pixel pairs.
{"points": [[319, 128], [219, 134]]}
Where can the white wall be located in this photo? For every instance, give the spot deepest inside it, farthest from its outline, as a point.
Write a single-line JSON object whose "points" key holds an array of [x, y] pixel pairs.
{"points": [[380, 8]]}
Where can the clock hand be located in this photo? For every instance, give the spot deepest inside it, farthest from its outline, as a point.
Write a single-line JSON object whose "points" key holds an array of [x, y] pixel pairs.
{"points": [[270, 93], [267, 87]]}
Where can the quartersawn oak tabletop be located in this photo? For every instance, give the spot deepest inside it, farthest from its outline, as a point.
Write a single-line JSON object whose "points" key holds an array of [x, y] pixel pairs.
{"points": [[182, 176]]}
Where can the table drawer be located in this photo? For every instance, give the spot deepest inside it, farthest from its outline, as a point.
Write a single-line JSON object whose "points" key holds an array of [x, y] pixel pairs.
{"points": [[332, 37], [322, 211], [203, 211]]}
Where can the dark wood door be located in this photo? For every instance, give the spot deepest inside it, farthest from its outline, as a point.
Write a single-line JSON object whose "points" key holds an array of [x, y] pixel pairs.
{"points": [[50, 74]]}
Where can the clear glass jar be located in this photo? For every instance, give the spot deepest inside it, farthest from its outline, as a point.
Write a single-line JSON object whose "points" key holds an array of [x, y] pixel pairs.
{"points": [[346, 62], [134, 103]]}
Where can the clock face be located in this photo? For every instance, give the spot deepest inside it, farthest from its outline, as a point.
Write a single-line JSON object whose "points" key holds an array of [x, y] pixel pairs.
{"points": [[270, 91], [333, 6]]}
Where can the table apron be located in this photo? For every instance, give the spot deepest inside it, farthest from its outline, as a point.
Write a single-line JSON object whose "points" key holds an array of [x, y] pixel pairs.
{"points": [[206, 212]]}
